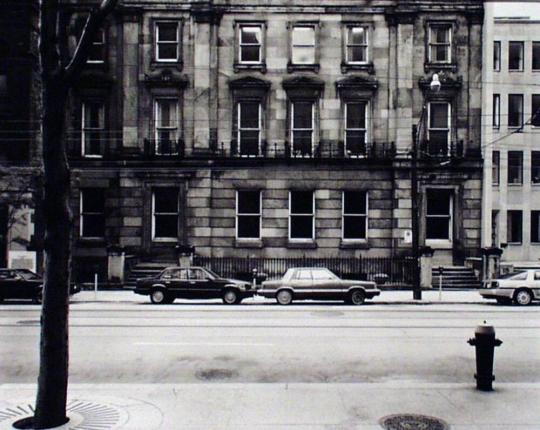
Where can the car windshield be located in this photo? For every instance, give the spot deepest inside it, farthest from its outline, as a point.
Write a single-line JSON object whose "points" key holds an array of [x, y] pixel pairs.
{"points": [[514, 275], [28, 275], [212, 274]]}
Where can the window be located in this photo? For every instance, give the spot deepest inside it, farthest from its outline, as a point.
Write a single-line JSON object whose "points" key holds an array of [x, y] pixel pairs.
{"points": [[515, 56], [535, 167], [303, 275], [96, 54], [303, 44], [92, 209], [250, 44], [535, 226], [497, 56], [3, 92], [496, 122], [355, 128], [355, 215], [515, 167], [322, 275], [249, 128], [439, 215], [302, 128], [301, 215], [514, 226], [166, 126], [535, 110], [536, 55], [165, 213], [440, 43], [167, 41], [515, 110], [248, 214], [357, 45], [439, 128], [93, 127], [495, 167]]}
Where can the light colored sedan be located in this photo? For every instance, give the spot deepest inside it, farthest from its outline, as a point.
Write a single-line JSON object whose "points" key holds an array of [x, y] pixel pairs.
{"points": [[520, 287], [317, 283]]}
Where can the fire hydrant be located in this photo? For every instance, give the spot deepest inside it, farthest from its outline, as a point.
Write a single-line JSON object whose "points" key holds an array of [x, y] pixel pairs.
{"points": [[485, 343]]}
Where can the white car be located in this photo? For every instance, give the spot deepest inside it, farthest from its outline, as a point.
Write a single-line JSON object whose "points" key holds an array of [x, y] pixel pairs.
{"points": [[520, 287]]}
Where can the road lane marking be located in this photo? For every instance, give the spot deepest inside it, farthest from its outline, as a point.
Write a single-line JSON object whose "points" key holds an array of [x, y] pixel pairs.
{"points": [[201, 344]]}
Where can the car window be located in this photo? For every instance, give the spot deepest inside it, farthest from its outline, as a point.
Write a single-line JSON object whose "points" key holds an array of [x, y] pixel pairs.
{"points": [[4, 275], [197, 274], [167, 274], [180, 274], [521, 276], [303, 275], [537, 276], [28, 275], [321, 275]]}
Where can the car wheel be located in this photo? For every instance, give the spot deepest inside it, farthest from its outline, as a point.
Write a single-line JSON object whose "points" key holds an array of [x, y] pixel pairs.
{"points": [[38, 298], [357, 297], [230, 297], [158, 296], [284, 297], [523, 297], [503, 301]]}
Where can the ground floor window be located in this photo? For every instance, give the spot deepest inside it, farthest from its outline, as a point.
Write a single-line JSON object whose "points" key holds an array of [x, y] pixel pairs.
{"points": [[301, 215], [439, 214], [514, 226], [354, 215], [165, 213], [248, 214], [92, 209], [535, 226]]}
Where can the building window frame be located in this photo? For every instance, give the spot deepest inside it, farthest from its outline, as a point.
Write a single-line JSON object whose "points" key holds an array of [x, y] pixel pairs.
{"points": [[364, 45], [244, 215], [240, 129], [515, 168], [497, 56], [161, 146], [535, 110], [99, 44], [300, 66], [302, 152], [519, 113], [495, 168], [535, 56], [88, 130], [434, 45], [535, 226], [350, 216], [510, 239], [176, 43], [521, 59], [434, 241], [535, 168], [155, 214], [496, 113], [243, 44], [349, 148], [296, 215], [86, 214], [439, 148]]}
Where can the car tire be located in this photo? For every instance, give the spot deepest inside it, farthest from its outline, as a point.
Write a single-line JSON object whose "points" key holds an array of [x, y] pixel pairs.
{"points": [[523, 297], [504, 301], [230, 297], [357, 297], [158, 296], [284, 297], [38, 298]]}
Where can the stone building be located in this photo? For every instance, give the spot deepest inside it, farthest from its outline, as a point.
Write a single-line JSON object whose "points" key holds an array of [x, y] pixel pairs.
{"points": [[277, 128], [511, 103]]}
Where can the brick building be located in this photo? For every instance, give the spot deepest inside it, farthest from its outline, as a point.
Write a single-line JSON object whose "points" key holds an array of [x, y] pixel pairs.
{"points": [[277, 129]]}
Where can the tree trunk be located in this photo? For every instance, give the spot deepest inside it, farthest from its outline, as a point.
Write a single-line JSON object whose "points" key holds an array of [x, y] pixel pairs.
{"points": [[54, 351]]}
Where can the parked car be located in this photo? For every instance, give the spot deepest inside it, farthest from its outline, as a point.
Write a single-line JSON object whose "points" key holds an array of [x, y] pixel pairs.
{"points": [[520, 287], [319, 284], [24, 284], [192, 283]]}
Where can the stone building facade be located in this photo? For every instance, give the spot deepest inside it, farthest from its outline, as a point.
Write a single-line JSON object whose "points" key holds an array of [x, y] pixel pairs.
{"points": [[510, 138], [277, 129]]}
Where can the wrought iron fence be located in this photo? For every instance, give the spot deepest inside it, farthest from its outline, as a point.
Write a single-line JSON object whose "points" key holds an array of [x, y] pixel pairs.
{"points": [[395, 271]]}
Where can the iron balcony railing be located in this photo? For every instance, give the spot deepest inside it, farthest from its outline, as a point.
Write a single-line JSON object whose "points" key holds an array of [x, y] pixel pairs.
{"points": [[441, 149]]}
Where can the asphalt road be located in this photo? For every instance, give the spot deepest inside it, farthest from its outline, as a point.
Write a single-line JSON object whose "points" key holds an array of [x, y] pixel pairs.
{"points": [[143, 343]]}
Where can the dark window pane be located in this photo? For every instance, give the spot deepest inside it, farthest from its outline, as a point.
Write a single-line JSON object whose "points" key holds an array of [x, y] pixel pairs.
{"points": [[357, 53], [535, 226], [496, 160], [440, 53], [250, 35], [536, 56], [301, 202], [167, 32], [167, 51], [496, 121], [497, 56], [515, 110], [96, 52], [93, 200], [441, 34], [166, 226], [438, 142], [92, 143], [93, 225], [301, 227], [437, 228], [535, 110], [354, 227], [514, 226], [248, 227], [515, 55], [249, 115], [249, 202], [251, 53], [354, 202], [438, 202], [303, 115], [166, 200], [515, 167], [356, 142], [249, 142], [535, 167], [357, 36], [302, 142], [438, 115], [356, 115]]}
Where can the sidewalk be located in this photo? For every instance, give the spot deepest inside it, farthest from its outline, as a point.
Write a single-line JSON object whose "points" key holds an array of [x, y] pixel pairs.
{"points": [[223, 406]]}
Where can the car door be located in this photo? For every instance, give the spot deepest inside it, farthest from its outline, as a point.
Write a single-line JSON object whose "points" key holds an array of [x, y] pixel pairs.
{"points": [[326, 285], [178, 284], [536, 284], [201, 286], [303, 284], [9, 285]]}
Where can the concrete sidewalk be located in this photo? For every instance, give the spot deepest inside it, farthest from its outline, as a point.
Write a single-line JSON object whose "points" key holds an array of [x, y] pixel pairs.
{"points": [[223, 406]]}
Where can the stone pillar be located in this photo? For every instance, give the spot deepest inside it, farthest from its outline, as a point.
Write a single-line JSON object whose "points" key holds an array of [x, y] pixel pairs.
{"points": [[492, 258], [116, 261], [426, 266]]}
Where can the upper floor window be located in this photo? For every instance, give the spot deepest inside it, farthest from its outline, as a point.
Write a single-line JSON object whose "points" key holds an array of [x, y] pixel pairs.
{"points": [[497, 56], [166, 126], [96, 54], [536, 55], [496, 121], [92, 209], [165, 213], [249, 128], [93, 128], [535, 110], [3, 92], [355, 128], [439, 120], [248, 214], [495, 167], [303, 44], [355, 215], [535, 167], [439, 213], [301, 215], [515, 110], [357, 44], [440, 43], [167, 39], [250, 46], [515, 56], [302, 128], [515, 167]]}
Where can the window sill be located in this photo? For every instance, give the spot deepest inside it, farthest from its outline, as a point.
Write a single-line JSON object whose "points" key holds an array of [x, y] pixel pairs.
{"points": [[248, 243], [429, 66], [515, 185], [354, 244], [164, 241], [366, 67], [301, 244], [155, 64], [515, 70], [238, 67], [514, 243], [303, 67]]}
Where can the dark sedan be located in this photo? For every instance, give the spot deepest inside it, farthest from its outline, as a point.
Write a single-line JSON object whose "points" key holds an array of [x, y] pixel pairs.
{"points": [[192, 283], [24, 284]]}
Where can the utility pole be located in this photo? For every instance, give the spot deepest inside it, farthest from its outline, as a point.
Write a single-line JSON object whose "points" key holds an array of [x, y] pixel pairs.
{"points": [[417, 290]]}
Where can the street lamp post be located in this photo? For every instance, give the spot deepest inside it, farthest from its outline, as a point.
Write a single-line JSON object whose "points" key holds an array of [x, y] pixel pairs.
{"points": [[435, 86]]}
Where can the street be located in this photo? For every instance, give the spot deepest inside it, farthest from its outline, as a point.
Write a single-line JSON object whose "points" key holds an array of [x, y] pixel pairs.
{"points": [[309, 342]]}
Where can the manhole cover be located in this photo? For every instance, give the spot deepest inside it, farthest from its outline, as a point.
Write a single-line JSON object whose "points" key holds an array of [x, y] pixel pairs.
{"points": [[412, 422], [83, 415]]}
